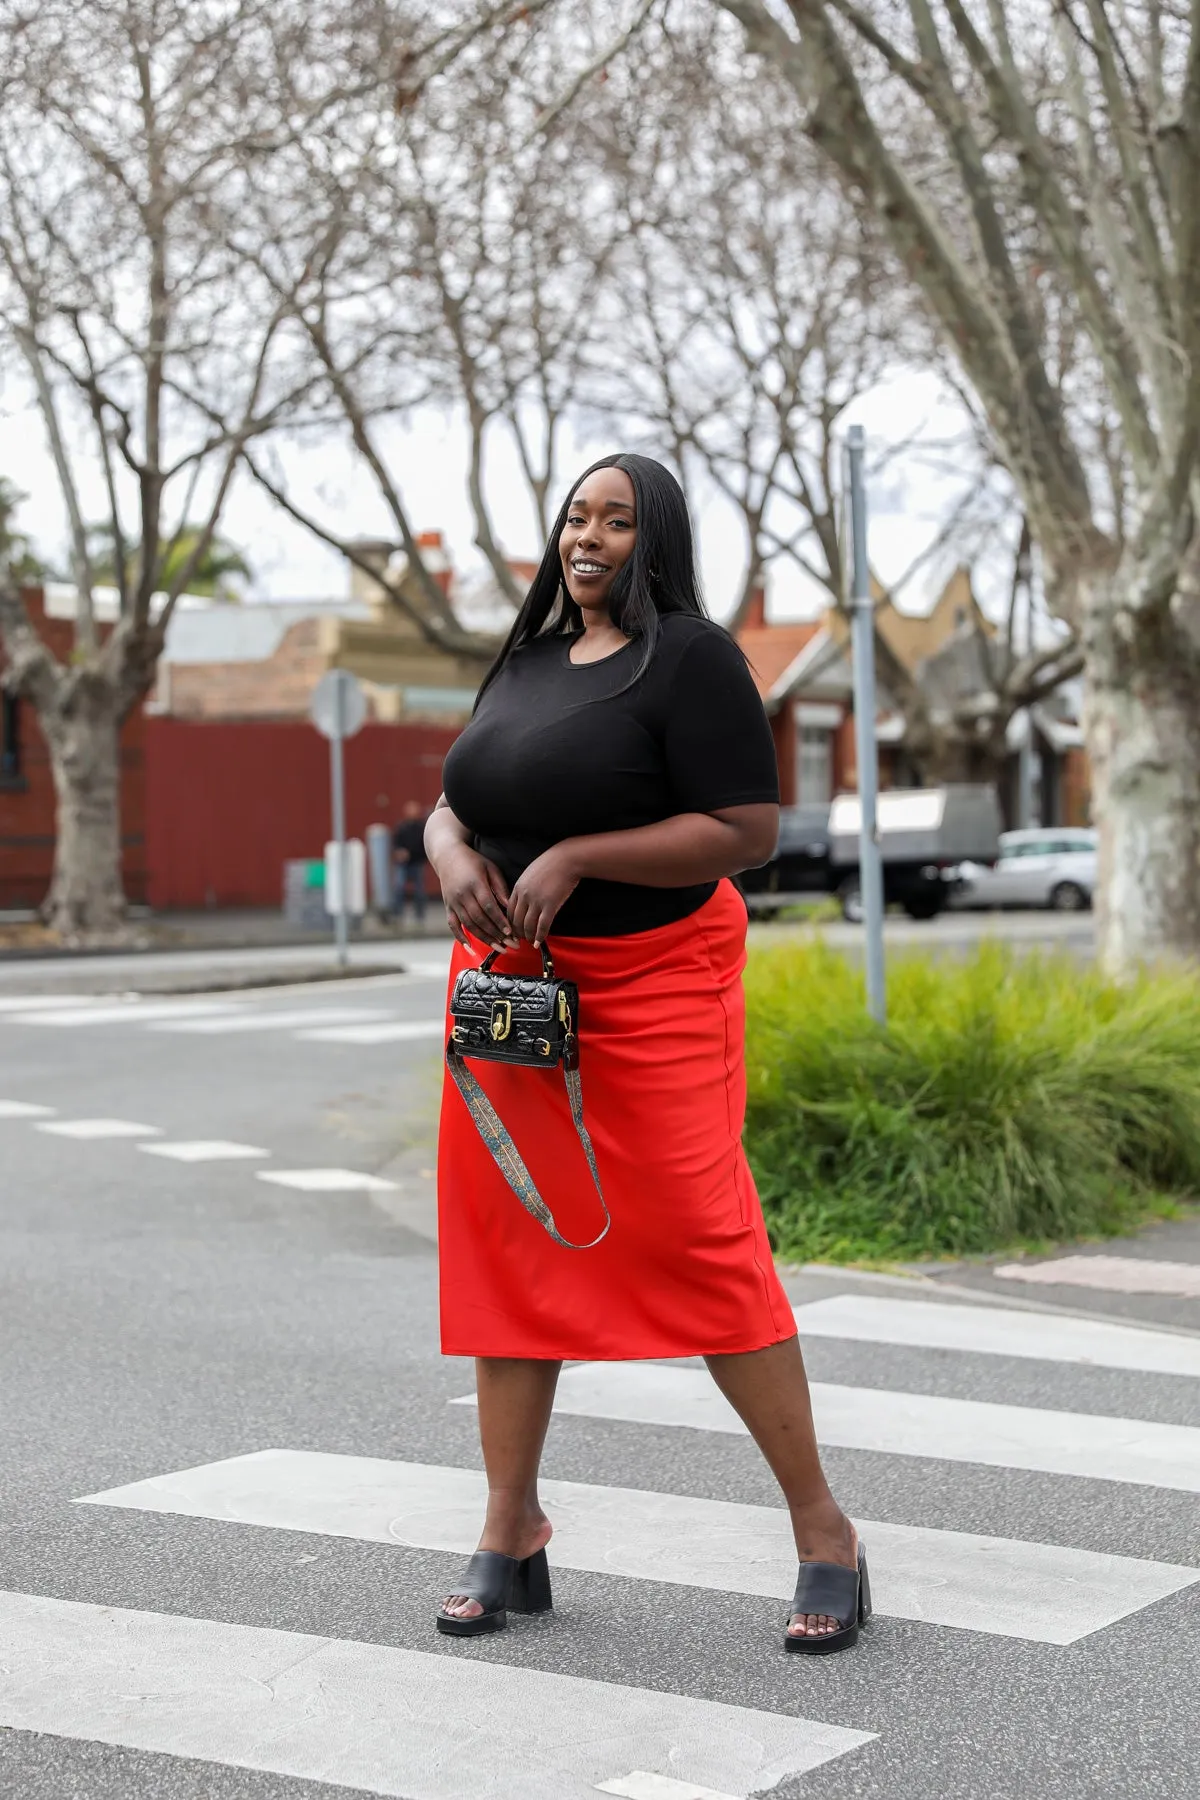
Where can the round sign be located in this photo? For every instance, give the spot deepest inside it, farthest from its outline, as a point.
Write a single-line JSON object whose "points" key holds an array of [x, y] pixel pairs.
{"points": [[338, 707]]}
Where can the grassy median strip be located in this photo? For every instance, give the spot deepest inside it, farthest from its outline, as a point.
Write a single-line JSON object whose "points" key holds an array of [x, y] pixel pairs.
{"points": [[1012, 1100]]}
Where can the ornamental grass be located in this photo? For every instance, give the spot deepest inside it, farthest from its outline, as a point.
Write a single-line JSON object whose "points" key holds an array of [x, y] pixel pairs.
{"points": [[1012, 1101]]}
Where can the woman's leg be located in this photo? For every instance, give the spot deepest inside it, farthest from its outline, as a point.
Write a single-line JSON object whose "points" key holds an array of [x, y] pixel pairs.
{"points": [[516, 1395], [768, 1389]]}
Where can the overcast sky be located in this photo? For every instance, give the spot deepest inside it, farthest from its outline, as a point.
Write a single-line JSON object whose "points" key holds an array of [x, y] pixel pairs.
{"points": [[428, 460]]}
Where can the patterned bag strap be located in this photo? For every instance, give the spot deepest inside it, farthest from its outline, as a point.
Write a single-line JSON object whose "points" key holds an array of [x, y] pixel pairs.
{"points": [[508, 1158]]}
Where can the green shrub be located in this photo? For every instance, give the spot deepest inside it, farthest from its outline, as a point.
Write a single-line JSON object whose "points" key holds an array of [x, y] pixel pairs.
{"points": [[1011, 1098]]}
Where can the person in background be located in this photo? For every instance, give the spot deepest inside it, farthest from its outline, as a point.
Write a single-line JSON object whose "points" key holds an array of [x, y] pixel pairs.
{"points": [[409, 860]]}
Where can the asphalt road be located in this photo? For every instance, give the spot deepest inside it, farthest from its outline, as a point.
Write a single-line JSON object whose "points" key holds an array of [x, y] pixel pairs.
{"points": [[1028, 1478]]}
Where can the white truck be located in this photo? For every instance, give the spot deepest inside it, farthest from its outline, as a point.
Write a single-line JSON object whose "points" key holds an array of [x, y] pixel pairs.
{"points": [[924, 835]]}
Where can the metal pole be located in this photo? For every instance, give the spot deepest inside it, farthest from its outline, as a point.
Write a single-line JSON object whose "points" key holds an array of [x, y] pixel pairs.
{"points": [[870, 861], [337, 777]]}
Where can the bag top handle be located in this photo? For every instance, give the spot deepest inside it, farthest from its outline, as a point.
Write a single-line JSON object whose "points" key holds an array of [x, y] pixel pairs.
{"points": [[547, 962]]}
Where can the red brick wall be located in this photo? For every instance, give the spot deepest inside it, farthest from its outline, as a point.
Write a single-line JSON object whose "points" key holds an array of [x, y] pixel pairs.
{"points": [[230, 801], [27, 807]]}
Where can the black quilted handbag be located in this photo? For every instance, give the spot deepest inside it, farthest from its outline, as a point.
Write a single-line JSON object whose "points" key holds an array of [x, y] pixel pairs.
{"points": [[531, 1020]]}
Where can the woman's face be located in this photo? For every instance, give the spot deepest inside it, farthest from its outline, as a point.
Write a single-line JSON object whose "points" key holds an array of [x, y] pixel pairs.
{"points": [[598, 537]]}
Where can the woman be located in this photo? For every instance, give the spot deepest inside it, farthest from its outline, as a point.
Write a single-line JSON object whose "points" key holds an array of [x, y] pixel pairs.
{"points": [[617, 769]]}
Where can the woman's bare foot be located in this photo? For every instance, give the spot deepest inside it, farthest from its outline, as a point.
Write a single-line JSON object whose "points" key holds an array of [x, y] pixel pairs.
{"points": [[520, 1536], [823, 1534]]}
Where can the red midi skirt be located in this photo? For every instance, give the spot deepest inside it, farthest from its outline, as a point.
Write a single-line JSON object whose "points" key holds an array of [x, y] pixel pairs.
{"points": [[686, 1268]]}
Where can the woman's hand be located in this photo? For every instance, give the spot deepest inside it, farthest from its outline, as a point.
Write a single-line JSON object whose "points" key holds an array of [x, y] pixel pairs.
{"points": [[540, 892], [476, 895]]}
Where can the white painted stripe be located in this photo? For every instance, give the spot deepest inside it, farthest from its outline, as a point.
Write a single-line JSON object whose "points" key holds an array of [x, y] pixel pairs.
{"points": [[975, 1431], [201, 1150], [129, 1012], [1118, 1274], [24, 1109], [1041, 1592], [99, 1128], [327, 1181], [284, 1020], [638, 1785], [372, 1716], [23, 1003], [402, 1031], [428, 968], [996, 1331]]}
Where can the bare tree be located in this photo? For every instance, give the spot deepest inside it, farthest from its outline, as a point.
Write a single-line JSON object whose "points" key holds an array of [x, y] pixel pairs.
{"points": [[455, 272], [1035, 171], [152, 351], [751, 295], [159, 329], [756, 306], [520, 271]]}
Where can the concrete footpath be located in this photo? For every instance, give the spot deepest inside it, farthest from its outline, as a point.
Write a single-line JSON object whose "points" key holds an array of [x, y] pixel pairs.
{"points": [[1150, 1278], [228, 960]]}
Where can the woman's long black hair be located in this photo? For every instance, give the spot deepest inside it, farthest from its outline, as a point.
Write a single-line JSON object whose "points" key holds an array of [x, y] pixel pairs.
{"points": [[660, 576]]}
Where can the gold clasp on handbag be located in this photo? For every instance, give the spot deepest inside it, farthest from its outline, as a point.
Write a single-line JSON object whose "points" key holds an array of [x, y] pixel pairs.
{"points": [[564, 1011], [501, 1020]]}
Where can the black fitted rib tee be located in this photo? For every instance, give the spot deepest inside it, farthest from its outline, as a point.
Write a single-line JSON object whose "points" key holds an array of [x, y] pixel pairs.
{"points": [[558, 750]]}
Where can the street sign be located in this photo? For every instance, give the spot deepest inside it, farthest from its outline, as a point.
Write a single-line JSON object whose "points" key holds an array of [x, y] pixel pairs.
{"points": [[338, 707]]}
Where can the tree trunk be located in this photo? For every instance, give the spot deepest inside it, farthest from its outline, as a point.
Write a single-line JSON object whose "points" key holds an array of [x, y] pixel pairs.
{"points": [[86, 901], [1142, 728]]}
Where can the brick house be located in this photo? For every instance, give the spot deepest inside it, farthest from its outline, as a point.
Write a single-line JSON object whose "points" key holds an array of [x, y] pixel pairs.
{"points": [[263, 661], [803, 673]]}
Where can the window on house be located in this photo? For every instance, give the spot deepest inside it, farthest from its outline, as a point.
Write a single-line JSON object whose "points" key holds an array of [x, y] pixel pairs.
{"points": [[10, 736], [814, 770]]}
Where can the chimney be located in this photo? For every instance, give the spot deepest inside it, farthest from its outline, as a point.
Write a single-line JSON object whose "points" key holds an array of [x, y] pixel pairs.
{"points": [[755, 616], [433, 554]]}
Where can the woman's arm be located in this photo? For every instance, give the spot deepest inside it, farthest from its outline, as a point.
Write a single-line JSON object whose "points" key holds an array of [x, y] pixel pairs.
{"points": [[677, 852], [473, 889]]}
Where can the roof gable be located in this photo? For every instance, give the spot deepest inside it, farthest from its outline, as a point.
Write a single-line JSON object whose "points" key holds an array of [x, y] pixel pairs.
{"points": [[771, 649]]}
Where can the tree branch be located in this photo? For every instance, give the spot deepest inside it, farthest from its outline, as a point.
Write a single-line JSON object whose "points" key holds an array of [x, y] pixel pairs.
{"points": [[620, 42], [456, 641]]}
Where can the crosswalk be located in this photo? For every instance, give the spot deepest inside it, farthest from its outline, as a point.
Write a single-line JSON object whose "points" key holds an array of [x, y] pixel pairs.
{"points": [[898, 1424], [378, 1717], [329, 1020], [152, 1141]]}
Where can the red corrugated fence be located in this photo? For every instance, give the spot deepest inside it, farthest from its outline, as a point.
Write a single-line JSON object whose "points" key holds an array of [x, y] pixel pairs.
{"points": [[229, 801]]}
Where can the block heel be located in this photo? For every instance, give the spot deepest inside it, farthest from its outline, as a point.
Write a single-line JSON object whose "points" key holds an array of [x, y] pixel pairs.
{"points": [[864, 1589], [501, 1584], [531, 1585]]}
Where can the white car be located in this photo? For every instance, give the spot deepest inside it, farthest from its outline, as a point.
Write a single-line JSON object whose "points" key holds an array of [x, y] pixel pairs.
{"points": [[1054, 866]]}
